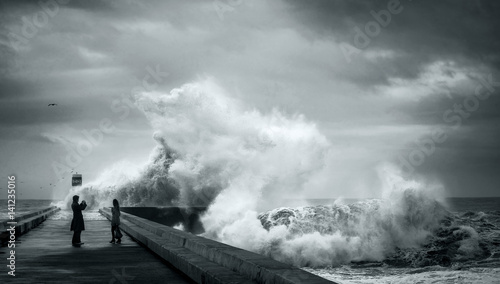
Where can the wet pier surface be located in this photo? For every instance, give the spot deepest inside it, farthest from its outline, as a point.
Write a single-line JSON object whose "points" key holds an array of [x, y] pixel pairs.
{"points": [[45, 255]]}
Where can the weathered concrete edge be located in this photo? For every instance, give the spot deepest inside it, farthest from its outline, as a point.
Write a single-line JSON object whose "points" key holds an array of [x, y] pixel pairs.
{"points": [[30, 220], [194, 266], [28, 215], [254, 266]]}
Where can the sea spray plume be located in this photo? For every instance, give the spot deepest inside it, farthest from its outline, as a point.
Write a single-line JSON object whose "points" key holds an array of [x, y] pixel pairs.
{"points": [[100, 192], [189, 121], [414, 204], [226, 151], [210, 147], [332, 235], [153, 187], [149, 186]]}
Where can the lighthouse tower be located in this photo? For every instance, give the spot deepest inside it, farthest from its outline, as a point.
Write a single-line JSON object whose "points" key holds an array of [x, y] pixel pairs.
{"points": [[76, 180]]}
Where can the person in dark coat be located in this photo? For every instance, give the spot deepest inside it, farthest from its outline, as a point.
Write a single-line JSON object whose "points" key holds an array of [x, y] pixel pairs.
{"points": [[77, 224]]}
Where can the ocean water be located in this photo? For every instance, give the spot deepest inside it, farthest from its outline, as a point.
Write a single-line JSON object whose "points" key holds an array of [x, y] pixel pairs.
{"points": [[463, 248]]}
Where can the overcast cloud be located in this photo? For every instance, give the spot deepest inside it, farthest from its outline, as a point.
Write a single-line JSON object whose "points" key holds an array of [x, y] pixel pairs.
{"points": [[372, 101]]}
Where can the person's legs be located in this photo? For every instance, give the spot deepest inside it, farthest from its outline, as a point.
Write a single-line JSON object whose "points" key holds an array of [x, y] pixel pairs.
{"points": [[117, 228], [76, 237], [113, 228]]}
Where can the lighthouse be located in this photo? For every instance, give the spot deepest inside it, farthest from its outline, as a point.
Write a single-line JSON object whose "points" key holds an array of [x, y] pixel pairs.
{"points": [[76, 180]]}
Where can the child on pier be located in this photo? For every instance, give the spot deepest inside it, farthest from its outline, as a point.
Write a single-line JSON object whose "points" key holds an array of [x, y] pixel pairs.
{"points": [[115, 222]]}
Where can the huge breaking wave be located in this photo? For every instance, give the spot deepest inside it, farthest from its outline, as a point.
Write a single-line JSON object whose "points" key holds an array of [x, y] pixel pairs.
{"points": [[213, 152]]}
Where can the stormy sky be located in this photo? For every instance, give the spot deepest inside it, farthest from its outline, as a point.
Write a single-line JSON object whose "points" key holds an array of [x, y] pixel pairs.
{"points": [[412, 82]]}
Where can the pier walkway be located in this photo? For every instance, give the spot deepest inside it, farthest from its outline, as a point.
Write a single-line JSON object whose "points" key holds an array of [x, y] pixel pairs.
{"points": [[45, 255]]}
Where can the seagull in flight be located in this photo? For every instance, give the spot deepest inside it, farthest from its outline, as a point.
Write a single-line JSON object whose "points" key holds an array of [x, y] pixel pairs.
{"points": [[52, 105]]}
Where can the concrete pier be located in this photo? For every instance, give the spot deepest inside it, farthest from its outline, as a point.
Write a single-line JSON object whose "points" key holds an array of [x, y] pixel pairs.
{"points": [[45, 255], [25, 222]]}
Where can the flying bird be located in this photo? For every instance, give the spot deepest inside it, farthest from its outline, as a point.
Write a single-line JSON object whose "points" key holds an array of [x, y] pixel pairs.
{"points": [[52, 105]]}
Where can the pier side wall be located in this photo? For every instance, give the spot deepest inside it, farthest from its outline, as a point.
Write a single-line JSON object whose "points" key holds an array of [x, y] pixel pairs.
{"points": [[25, 222]]}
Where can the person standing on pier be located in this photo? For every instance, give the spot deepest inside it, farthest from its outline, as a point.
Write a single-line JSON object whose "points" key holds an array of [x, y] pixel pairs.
{"points": [[115, 223], [77, 224]]}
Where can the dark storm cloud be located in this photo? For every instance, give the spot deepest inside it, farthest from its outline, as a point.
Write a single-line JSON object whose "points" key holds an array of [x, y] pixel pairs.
{"points": [[468, 162], [424, 31], [431, 110], [463, 32], [70, 117], [468, 159], [91, 5], [88, 49]]}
